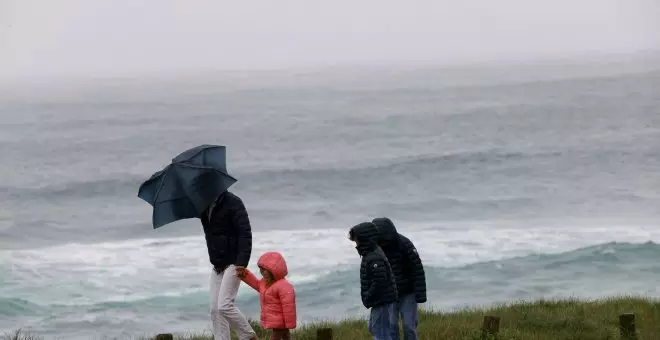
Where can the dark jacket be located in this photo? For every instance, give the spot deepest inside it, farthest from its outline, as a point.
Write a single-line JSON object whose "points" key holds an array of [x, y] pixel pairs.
{"points": [[228, 233], [377, 285], [402, 255]]}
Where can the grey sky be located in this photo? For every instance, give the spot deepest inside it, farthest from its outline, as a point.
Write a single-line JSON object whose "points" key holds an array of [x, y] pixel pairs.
{"points": [[101, 37]]}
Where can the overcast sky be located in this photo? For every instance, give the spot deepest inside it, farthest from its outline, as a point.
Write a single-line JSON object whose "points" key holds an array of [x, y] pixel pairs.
{"points": [[105, 37]]}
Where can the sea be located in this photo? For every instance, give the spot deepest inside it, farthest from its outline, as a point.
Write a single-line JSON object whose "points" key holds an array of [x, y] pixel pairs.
{"points": [[514, 181]]}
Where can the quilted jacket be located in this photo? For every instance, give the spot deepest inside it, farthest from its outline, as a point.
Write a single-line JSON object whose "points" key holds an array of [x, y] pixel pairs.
{"points": [[278, 300]]}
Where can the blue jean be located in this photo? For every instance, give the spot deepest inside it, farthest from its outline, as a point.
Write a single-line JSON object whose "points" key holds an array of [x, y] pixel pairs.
{"points": [[380, 321], [406, 307]]}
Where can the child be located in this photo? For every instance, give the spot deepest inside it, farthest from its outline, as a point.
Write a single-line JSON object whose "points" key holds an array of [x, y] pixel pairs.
{"points": [[277, 296], [377, 285]]}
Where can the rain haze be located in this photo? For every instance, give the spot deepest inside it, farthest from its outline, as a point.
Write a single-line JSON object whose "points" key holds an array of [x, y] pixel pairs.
{"points": [[516, 143], [104, 37]]}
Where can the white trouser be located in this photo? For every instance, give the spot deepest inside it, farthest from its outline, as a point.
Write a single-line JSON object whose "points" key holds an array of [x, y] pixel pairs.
{"points": [[224, 314]]}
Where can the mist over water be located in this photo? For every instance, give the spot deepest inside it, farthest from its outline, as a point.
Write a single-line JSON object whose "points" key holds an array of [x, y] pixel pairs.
{"points": [[123, 38]]}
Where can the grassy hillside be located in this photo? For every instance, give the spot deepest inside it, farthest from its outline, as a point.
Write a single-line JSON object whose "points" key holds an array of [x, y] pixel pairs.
{"points": [[539, 320]]}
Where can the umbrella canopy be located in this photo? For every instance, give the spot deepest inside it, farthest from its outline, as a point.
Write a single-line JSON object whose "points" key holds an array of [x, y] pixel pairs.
{"points": [[187, 187]]}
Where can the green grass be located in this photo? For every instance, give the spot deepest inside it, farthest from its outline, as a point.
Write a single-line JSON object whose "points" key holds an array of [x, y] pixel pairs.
{"points": [[17, 335], [538, 320]]}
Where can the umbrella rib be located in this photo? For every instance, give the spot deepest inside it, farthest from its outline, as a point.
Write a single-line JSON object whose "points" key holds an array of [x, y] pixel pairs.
{"points": [[205, 168], [226, 174], [198, 152], [194, 166], [162, 183]]}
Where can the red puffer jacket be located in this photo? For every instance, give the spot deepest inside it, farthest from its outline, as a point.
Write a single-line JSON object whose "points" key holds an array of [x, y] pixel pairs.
{"points": [[278, 301]]}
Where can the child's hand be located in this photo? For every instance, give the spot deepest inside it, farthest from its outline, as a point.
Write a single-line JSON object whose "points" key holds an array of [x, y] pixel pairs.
{"points": [[240, 272]]}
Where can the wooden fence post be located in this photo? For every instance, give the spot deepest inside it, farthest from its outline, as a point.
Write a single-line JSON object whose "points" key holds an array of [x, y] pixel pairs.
{"points": [[324, 334], [490, 327], [627, 326], [164, 336]]}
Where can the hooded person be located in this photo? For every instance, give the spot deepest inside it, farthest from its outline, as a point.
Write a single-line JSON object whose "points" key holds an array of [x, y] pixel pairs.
{"points": [[276, 293], [377, 284], [409, 274]]}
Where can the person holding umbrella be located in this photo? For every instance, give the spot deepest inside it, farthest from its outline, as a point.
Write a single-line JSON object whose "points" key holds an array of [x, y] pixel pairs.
{"points": [[229, 242], [196, 185]]}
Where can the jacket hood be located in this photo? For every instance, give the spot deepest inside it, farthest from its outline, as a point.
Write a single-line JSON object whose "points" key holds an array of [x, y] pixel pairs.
{"points": [[365, 234], [274, 262], [387, 233]]}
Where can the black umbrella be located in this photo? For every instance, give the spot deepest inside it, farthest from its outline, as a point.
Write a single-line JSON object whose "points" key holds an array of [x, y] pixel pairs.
{"points": [[188, 186]]}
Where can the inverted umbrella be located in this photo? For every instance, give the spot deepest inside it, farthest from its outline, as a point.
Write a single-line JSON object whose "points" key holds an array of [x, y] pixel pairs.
{"points": [[187, 187]]}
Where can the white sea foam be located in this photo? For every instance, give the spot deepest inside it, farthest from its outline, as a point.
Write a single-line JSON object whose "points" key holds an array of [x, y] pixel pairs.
{"points": [[83, 274]]}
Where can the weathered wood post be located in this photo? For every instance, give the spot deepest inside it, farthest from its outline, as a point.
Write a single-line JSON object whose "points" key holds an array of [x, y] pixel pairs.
{"points": [[490, 327], [324, 334], [627, 326], [164, 336]]}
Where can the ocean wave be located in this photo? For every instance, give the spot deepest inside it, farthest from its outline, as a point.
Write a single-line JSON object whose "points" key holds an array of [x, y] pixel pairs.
{"points": [[13, 307], [611, 254], [444, 161], [108, 187], [341, 282], [127, 184], [320, 184], [590, 272]]}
